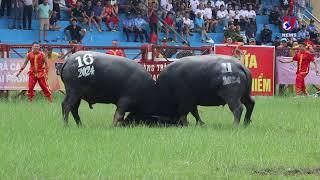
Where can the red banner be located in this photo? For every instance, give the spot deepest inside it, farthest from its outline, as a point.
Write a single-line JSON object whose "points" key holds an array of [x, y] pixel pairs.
{"points": [[155, 67], [260, 60], [10, 67]]}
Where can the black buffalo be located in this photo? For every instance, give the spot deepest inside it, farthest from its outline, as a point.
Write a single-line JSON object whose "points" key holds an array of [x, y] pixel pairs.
{"points": [[100, 78], [207, 80]]}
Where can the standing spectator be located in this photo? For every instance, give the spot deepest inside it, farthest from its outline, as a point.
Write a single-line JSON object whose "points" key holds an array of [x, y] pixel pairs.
{"points": [[110, 14], [301, 35], [153, 18], [54, 26], [199, 27], [74, 33], [17, 8], [97, 15], [5, 4], [284, 4], [222, 14], [169, 25], [44, 14], [27, 13], [116, 52], [140, 29], [128, 25], [266, 35]]}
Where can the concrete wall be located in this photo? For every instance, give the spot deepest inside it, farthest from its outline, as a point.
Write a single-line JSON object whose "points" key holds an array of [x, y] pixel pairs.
{"points": [[316, 8]]}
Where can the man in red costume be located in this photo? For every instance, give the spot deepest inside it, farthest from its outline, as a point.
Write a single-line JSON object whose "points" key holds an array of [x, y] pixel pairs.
{"points": [[303, 58], [37, 72], [116, 52]]}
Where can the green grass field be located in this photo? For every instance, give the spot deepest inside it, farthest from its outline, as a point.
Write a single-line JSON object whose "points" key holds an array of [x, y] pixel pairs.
{"points": [[282, 142]]}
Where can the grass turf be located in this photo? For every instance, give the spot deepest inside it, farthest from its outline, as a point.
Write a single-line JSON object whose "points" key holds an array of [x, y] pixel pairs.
{"points": [[282, 141]]}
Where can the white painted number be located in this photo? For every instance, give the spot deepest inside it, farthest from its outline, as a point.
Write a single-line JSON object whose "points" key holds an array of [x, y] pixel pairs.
{"points": [[87, 60], [226, 67], [86, 71]]}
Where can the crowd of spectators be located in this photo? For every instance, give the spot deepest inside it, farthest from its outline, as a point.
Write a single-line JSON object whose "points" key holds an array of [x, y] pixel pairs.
{"points": [[178, 20]]}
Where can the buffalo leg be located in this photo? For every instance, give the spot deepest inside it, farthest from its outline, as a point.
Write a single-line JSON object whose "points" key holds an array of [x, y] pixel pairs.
{"points": [[118, 117], [195, 114], [236, 108], [130, 119], [249, 104], [183, 120], [74, 111], [65, 109]]}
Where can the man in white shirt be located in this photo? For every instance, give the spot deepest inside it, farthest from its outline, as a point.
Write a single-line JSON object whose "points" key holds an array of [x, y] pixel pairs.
{"points": [[194, 4], [209, 21], [244, 17], [219, 3], [251, 13], [222, 16], [200, 10]]}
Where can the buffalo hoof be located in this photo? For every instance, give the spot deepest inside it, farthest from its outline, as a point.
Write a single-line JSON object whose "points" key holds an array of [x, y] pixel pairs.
{"points": [[200, 123]]}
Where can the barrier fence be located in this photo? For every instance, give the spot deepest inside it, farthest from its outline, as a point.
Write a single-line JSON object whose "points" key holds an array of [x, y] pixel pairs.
{"points": [[265, 63]]}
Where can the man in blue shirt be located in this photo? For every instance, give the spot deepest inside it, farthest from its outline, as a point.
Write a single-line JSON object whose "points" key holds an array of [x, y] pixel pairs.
{"points": [[140, 28], [199, 27]]}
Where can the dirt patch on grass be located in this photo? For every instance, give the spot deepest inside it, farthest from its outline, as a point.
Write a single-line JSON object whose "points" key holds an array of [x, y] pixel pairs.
{"points": [[287, 172]]}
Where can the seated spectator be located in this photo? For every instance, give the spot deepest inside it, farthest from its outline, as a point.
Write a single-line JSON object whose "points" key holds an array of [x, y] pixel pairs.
{"points": [[169, 25], [236, 19], [301, 35], [199, 27], [222, 16], [166, 4], [210, 22], [308, 42], [312, 29], [71, 3], [233, 33], [219, 3], [275, 17], [54, 26], [78, 13], [252, 41], [17, 9], [244, 17], [74, 33], [116, 52], [110, 14], [179, 22], [97, 15], [140, 29], [186, 27], [194, 5], [251, 29], [251, 13], [231, 13], [128, 25], [266, 35], [88, 15]]}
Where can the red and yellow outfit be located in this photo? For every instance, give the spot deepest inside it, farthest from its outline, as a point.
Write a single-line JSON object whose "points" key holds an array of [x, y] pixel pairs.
{"points": [[303, 59], [116, 52], [37, 73]]}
